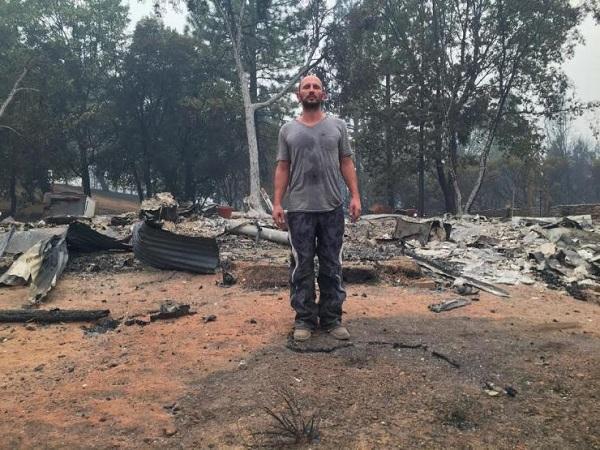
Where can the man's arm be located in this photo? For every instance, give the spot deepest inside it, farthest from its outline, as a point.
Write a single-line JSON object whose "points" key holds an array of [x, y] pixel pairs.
{"points": [[282, 178], [349, 174]]}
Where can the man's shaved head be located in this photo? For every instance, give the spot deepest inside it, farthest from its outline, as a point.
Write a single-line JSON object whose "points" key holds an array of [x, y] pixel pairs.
{"points": [[309, 78], [310, 92]]}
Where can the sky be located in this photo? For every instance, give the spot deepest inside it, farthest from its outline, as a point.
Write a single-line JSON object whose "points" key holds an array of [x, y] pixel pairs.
{"points": [[583, 69], [141, 8]]}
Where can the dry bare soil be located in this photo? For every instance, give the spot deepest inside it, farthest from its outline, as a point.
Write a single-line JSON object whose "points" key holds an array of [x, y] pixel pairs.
{"points": [[188, 383]]}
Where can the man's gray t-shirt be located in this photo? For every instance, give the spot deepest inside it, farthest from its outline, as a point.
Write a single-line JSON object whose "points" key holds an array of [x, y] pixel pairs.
{"points": [[314, 153]]}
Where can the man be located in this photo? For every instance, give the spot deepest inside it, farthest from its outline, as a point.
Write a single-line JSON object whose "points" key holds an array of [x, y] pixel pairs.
{"points": [[313, 150]]}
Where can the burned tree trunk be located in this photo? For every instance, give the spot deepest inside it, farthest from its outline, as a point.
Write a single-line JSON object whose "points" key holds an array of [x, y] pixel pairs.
{"points": [[138, 184], [453, 178], [249, 112], [389, 156], [189, 185], [421, 170], [85, 170], [148, 178], [483, 160], [12, 189], [446, 187]]}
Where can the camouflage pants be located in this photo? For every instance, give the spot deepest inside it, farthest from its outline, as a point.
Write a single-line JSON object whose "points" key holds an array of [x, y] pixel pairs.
{"points": [[319, 233]]}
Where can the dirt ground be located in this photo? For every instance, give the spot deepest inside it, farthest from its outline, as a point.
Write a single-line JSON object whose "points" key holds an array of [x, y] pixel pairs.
{"points": [[188, 383]]}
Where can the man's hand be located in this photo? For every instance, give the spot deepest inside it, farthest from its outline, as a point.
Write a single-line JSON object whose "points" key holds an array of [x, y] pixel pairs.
{"points": [[354, 208], [349, 174], [282, 177], [279, 216]]}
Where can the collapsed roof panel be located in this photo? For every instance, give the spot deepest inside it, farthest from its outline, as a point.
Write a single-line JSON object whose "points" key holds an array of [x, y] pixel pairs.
{"points": [[165, 250], [45, 254], [42, 264], [21, 241], [82, 238]]}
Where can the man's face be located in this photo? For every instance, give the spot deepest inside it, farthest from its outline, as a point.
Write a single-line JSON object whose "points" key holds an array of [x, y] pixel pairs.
{"points": [[310, 92]]}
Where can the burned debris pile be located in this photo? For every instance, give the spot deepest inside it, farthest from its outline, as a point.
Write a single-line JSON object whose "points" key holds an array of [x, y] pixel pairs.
{"points": [[37, 254], [476, 252], [466, 254]]}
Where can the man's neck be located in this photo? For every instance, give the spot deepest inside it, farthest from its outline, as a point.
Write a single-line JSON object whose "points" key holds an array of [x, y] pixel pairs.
{"points": [[311, 117]]}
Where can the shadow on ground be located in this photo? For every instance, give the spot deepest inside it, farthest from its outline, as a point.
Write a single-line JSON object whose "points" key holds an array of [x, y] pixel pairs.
{"points": [[380, 392]]}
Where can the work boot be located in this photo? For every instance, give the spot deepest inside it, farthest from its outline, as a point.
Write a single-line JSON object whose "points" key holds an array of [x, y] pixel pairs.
{"points": [[301, 334], [340, 333]]}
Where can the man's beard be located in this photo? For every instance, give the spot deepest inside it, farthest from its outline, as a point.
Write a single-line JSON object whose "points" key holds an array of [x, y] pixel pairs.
{"points": [[311, 105]]}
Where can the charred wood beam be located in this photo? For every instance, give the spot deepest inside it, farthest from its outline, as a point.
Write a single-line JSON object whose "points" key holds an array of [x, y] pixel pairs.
{"points": [[51, 316]]}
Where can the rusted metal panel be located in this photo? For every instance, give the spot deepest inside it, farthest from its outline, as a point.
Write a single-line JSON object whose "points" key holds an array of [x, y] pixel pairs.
{"points": [[165, 250]]}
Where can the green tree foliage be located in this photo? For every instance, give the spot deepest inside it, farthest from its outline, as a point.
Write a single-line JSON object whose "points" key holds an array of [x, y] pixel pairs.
{"points": [[265, 40], [80, 43], [28, 136], [459, 72], [444, 98], [178, 121]]}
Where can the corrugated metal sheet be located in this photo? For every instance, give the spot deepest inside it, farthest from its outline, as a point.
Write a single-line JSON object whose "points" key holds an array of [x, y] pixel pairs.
{"points": [[82, 238], [166, 250], [5, 238], [42, 264], [21, 241], [55, 257]]}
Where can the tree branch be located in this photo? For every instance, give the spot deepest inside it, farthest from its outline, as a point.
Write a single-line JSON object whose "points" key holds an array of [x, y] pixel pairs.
{"points": [[309, 63], [13, 91], [294, 80], [27, 89], [575, 109], [11, 129]]}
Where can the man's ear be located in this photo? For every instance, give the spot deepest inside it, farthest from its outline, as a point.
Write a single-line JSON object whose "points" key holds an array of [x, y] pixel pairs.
{"points": [[324, 96]]}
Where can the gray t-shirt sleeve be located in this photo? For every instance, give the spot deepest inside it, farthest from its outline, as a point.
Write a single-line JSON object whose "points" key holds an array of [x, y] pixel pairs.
{"points": [[283, 151], [344, 145]]}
